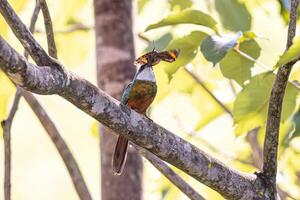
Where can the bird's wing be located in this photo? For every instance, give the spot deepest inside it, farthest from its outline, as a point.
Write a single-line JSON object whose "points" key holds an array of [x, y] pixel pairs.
{"points": [[126, 93]]}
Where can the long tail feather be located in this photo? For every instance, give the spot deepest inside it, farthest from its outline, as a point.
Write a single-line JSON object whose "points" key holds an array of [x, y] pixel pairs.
{"points": [[120, 155]]}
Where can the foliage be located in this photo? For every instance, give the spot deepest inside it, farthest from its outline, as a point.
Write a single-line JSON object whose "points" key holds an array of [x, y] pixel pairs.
{"points": [[234, 15], [210, 35], [186, 17], [291, 54], [234, 53]]}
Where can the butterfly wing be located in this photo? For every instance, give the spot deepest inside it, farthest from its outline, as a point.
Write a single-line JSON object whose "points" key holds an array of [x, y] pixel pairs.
{"points": [[169, 56], [142, 60]]}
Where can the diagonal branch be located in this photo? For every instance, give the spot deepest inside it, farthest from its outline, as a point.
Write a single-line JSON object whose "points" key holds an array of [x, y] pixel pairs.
{"points": [[53, 44], [201, 83], [139, 129], [170, 174], [49, 29], [60, 144], [275, 107], [52, 131], [6, 125]]}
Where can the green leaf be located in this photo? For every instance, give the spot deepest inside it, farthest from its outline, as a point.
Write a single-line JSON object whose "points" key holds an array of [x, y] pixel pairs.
{"points": [[161, 43], [291, 54], [215, 47], [188, 46], [209, 117], [180, 4], [186, 17], [66, 11], [251, 105], [296, 121], [284, 9], [235, 66], [233, 14], [182, 82], [78, 49], [141, 5], [210, 111]]}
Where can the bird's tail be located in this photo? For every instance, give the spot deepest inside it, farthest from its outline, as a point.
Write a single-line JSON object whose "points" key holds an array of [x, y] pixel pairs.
{"points": [[120, 155]]}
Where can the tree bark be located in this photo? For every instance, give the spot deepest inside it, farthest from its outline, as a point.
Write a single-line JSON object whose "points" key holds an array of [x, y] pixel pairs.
{"points": [[115, 56]]}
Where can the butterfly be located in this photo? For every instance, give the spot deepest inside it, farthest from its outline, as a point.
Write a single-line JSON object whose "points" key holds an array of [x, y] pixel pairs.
{"points": [[154, 57]]}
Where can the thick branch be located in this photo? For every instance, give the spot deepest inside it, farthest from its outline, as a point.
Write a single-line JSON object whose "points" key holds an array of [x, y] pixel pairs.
{"points": [[275, 107], [23, 34], [139, 129], [6, 125]]}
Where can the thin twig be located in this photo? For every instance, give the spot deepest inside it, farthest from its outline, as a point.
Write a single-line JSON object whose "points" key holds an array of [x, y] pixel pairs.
{"points": [[60, 145], [167, 146], [53, 132], [33, 20], [140, 35], [201, 83], [49, 29], [6, 125], [70, 29], [170, 174], [265, 66], [243, 54], [274, 111], [257, 154]]}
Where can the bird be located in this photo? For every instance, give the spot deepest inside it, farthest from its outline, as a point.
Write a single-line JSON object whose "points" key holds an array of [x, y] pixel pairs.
{"points": [[138, 95]]}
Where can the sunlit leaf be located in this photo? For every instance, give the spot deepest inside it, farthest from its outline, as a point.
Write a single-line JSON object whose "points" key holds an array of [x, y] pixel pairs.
{"points": [[248, 35], [65, 11], [233, 14], [186, 17], [291, 54], [180, 4], [77, 49], [161, 43], [188, 46], [251, 104], [296, 121], [141, 5], [215, 47], [209, 117], [235, 66], [183, 82], [207, 113], [285, 6], [162, 81]]}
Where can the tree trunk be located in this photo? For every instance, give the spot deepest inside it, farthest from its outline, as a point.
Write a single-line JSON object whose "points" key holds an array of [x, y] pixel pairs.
{"points": [[115, 69]]}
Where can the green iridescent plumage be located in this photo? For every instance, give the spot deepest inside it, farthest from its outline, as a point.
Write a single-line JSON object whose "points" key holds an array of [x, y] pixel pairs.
{"points": [[138, 89]]}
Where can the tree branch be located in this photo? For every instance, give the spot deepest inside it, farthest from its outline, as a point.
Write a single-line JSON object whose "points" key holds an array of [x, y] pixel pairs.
{"points": [[51, 129], [201, 83], [60, 145], [6, 125], [49, 29], [170, 174], [275, 107], [139, 129], [34, 49]]}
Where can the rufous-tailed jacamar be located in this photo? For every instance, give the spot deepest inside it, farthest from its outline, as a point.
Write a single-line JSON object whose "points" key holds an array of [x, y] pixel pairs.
{"points": [[139, 94]]}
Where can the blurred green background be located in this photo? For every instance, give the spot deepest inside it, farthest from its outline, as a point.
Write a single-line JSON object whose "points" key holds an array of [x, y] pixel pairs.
{"points": [[182, 106]]}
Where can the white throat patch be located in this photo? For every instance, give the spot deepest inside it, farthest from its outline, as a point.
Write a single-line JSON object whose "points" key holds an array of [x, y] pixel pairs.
{"points": [[146, 75]]}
